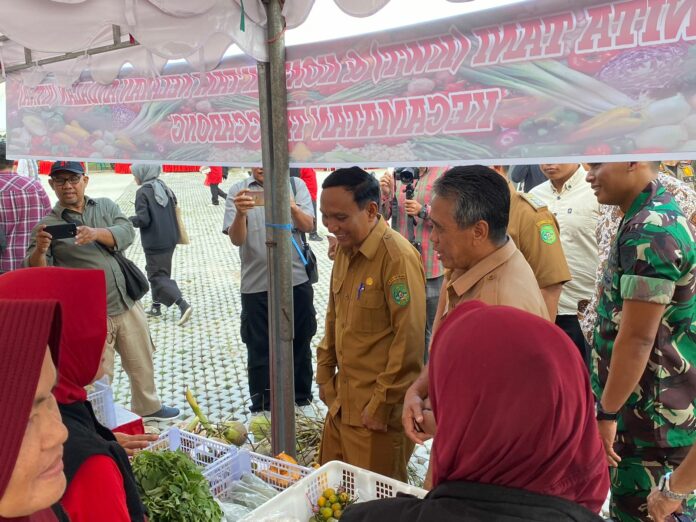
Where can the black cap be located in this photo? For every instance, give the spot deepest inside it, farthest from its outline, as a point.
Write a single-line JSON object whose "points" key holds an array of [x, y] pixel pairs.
{"points": [[68, 166]]}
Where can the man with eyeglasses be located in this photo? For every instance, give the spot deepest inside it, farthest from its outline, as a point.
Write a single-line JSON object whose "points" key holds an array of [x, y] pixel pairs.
{"points": [[102, 229]]}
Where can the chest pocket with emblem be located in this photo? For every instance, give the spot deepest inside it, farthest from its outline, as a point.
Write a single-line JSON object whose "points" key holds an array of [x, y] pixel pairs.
{"points": [[370, 312]]}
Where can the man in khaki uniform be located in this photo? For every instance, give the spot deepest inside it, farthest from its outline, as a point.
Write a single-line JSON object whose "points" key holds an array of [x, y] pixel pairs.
{"points": [[470, 217], [375, 326], [535, 231]]}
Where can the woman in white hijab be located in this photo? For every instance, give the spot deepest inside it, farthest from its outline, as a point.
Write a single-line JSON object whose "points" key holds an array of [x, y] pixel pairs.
{"points": [[155, 216]]}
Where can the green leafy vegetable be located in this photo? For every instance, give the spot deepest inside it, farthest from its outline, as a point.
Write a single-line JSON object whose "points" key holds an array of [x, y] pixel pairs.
{"points": [[173, 489]]}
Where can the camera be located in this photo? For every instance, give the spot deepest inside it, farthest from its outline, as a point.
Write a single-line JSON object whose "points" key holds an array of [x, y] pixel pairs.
{"points": [[407, 174]]}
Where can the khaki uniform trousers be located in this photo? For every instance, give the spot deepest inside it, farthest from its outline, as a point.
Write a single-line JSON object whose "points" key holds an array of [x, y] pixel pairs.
{"points": [[129, 335], [386, 453]]}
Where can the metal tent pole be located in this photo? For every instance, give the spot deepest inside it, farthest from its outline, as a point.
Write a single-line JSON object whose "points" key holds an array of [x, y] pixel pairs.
{"points": [[274, 137]]}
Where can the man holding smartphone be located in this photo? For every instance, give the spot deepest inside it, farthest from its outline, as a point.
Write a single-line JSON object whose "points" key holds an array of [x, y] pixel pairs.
{"points": [[245, 223], [101, 229]]}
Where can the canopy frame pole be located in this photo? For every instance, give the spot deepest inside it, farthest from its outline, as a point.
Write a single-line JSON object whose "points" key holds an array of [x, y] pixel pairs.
{"points": [[273, 98], [29, 62]]}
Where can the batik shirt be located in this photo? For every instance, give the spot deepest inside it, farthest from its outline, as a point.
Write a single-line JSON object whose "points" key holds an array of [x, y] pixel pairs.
{"points": [[653, 259]]}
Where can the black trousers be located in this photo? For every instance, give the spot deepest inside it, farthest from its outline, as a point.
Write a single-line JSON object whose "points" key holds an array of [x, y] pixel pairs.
{"points": [[571, 326], [216, 192], [254, 331], [159, 273]]}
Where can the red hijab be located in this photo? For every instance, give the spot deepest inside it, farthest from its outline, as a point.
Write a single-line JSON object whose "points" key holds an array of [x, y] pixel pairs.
{"points": [[26, 328], [513, 405], [82, 295]]}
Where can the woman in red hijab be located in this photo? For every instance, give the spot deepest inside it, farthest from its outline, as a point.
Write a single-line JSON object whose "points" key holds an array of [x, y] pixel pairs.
{"points": [[31, 433], [516, 432], [101, 486]]}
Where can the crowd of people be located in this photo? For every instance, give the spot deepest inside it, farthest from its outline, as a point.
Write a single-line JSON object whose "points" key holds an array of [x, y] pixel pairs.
{"points": [[544, 340]]}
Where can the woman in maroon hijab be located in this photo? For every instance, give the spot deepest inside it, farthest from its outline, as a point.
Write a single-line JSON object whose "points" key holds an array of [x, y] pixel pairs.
{"points": [[516, 435], [101, 486], [31, 432]]}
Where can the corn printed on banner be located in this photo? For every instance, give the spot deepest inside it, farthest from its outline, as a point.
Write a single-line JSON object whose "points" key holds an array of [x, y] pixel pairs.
{"points": [[607, 81]]}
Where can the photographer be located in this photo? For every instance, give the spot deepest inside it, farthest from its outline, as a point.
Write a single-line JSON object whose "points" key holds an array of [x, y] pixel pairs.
{"points": [[406, 200]]}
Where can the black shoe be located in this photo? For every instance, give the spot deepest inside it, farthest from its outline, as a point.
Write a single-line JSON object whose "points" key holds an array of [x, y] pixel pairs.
{"points": [[216, 202], [155, 311], [315, 237], [186, 312]]}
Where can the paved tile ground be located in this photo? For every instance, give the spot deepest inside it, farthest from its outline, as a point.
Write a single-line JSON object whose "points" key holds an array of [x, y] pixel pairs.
{"points": [[206, 353]]}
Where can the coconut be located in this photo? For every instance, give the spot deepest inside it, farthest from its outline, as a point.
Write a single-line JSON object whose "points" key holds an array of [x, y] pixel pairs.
{"points": [[235, 432], [260, 427]]}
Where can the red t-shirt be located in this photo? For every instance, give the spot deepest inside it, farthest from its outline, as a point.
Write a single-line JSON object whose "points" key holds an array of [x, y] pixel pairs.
{"points": [[309, 176], [214, 177], [96, 493]]}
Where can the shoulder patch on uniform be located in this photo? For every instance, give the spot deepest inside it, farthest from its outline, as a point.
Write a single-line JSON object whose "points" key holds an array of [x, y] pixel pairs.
{"points": [[548, 233], [400, 294], [536, 202], [693, 219], [394, 279], [391, 242]]}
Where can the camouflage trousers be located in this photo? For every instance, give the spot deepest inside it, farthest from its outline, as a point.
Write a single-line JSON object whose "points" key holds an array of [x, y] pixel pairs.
{"points": [[639, 471]]}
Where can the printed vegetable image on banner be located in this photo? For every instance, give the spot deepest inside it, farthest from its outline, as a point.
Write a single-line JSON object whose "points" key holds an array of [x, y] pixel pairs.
{"points": [[602, 81]]}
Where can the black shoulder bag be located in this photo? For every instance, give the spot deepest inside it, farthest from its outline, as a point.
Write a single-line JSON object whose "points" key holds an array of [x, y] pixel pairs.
{"points": [[136, 282]]}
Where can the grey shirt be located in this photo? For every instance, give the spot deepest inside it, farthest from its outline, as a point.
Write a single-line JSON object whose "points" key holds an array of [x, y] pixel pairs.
{"points": [[253, 252], [97, 213]]}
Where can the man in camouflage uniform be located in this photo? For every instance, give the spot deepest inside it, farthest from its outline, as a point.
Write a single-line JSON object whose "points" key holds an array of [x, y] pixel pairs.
{"points": [[644, 346], [610, 217]]}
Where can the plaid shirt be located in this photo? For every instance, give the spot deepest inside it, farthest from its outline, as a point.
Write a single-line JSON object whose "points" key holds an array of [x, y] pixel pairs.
{"points": [[423, 195], [23, 203]]}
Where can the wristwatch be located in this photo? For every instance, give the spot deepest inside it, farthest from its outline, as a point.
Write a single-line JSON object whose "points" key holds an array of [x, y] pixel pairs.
{"points": [[603, 415], [663, 486], [424, 211]]}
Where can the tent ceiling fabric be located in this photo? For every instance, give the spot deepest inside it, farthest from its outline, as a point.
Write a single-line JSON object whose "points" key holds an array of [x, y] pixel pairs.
{"points": [[199, 31]]}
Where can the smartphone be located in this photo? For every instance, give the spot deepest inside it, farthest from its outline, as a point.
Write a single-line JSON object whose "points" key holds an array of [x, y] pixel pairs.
{"points": [[62, 231], [258, 196]]}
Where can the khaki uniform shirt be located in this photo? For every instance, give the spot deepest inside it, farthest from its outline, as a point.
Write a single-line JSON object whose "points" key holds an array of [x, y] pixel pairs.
{"points": [[534, 230], [502, 278], [375, 328]]}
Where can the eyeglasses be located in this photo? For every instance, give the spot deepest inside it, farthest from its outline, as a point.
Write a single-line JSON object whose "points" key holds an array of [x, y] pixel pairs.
{"points": [[73, 180]]}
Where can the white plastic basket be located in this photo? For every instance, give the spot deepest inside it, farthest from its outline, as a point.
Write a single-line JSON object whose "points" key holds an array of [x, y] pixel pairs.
{"points": [[298, 500], [275, 472], [224, 472], [202, 451], [102, 400]]}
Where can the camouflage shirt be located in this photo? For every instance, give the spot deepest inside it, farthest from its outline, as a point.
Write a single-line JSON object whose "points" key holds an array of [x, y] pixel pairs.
{"points": [[653, 259]]}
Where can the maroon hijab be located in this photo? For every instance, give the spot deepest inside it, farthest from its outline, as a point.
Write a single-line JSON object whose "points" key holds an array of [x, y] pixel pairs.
{"points": [[513, 405], [82, 295], [26, 328]]}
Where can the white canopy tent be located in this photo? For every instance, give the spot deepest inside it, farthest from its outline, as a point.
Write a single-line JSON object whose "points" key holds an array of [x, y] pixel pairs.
{"points": [[101, 36]]}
